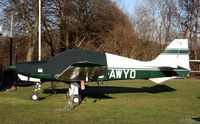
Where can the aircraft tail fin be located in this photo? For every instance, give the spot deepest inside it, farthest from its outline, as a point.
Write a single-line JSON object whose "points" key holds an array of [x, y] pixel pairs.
{"points": [[176, 55]]}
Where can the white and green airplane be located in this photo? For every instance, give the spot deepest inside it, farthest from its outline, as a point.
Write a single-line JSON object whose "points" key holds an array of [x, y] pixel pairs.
{"points": [[76, 65]]}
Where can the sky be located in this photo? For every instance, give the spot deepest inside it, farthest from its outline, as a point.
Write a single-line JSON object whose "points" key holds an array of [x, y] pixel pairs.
{"points": [[128, 6]]}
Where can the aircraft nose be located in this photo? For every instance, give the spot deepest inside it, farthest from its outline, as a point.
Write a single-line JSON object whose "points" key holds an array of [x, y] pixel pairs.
{"points": [[13, 67]]}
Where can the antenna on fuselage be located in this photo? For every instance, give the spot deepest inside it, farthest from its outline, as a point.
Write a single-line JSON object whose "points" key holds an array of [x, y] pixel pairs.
{"points": [[81, 42]]}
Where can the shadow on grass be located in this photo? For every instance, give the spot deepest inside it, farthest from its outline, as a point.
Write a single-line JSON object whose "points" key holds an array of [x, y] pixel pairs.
{"points": [[196, 119], [51, 92], [55, 91], [102, 92], [112, 89], [198, 97]]}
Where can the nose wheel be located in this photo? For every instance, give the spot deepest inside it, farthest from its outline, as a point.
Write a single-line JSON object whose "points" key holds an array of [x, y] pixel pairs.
{"points": [[35, 95]]}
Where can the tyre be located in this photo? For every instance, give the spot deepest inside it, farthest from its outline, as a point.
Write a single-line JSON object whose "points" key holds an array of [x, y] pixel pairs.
{"points": [[35, 96], [76, 99]]}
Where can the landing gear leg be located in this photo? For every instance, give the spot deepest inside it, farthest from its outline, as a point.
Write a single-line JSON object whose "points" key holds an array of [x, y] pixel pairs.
{"points": [[74, 97], [35, 95], [74, 94]]}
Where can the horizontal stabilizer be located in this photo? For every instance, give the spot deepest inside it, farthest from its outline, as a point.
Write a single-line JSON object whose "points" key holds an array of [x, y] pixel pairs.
{"points": [[160, 80], [196, 61]]}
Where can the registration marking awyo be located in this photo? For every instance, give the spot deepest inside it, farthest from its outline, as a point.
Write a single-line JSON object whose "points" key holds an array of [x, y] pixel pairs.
{"points": [[122, 74]]}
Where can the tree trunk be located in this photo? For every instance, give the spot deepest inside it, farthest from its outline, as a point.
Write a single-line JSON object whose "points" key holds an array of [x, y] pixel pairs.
{"points": [[63, 37], [30, 52]]}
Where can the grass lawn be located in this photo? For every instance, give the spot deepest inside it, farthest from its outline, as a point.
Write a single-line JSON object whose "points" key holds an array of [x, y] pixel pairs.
{"points": [[122, 102]]}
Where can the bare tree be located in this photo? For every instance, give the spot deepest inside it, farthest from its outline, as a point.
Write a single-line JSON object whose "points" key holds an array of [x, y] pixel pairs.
{"points": [[26, 19], [188, 18], [145, 24]]}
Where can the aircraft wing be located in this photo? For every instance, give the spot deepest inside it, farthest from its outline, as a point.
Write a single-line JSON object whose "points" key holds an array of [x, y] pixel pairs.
{"points": [[82, 70]]}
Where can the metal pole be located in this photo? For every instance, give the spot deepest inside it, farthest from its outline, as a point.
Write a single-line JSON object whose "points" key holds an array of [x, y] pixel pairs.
{"points": [[16, 52], [39, 36], [11, 38], [0, 30]]}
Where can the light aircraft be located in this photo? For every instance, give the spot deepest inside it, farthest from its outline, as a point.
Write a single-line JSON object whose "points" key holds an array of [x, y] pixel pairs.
{"points": [[78, 66]]}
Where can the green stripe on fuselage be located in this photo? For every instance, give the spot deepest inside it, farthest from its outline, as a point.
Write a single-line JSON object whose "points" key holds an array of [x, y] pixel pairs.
{"points": [[175, 51], [125, 74], [159, 73]]}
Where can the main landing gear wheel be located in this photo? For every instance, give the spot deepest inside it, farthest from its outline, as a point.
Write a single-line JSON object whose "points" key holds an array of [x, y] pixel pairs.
{"points": [[35, 96], [76, 99]]}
